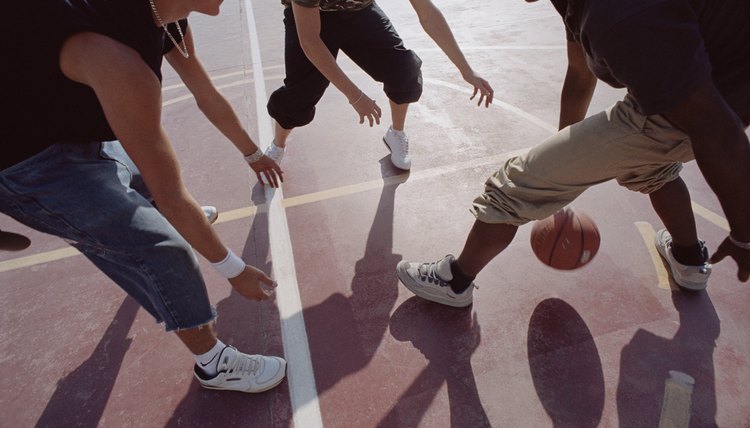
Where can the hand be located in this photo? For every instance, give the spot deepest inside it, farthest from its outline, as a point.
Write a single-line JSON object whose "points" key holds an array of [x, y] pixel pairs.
{"points": [[482, 87], [253, 284], [741, 256], [270, 170], [366, 108]]}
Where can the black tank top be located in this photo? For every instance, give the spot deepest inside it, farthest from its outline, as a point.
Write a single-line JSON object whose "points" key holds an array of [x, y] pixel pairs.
{"points": [[43, 107]]}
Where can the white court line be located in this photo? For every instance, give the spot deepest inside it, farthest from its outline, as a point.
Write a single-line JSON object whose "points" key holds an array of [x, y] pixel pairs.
{"points": [[300, 375]]}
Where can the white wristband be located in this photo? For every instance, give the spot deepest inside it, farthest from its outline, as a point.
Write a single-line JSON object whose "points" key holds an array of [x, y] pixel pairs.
{"points": [[231, 267]]}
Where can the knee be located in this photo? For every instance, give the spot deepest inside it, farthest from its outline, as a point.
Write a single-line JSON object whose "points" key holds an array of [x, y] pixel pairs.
{"points": [[286, 112], [405, 84]]}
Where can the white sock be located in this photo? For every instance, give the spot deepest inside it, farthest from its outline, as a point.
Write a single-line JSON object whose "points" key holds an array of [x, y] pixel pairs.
{"points": [[209, 361]]}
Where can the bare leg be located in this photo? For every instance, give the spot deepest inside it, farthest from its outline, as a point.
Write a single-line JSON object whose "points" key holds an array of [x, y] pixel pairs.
{"points": [[398, 115], [198, 340], [672, 204], [280, 135], [485, 241]]}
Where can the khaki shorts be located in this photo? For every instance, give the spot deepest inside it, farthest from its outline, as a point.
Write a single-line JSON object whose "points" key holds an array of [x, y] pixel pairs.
{"points": [[642, 153]]}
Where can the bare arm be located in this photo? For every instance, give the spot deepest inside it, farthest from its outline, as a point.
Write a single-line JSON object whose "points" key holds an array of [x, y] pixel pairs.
{"points": [[130, 95], [307, 21], [434, 24], [578, 87], [722, 151], [218, 110]]}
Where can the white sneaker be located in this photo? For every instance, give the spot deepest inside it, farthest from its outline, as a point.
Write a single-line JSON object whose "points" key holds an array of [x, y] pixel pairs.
{"points": [[687, 276], [275, 152], [429, 281], [211, 213], [398, 143], [244, 373]]}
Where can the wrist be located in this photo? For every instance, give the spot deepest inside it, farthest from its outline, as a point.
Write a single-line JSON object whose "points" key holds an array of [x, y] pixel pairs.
{"points": [[738, 243], [358, 99], [231, 267], [254, 156]]}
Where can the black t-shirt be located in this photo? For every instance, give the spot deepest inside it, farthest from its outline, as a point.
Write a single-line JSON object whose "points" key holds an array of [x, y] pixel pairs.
{"points": [[43, 107], [662, 50]]}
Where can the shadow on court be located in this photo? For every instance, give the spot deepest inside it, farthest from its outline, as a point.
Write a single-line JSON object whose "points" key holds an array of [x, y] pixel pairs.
{"points": [[565, 365]]}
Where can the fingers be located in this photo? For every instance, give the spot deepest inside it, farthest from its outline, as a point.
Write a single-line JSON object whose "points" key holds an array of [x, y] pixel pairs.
{"points": [[474, 94]]}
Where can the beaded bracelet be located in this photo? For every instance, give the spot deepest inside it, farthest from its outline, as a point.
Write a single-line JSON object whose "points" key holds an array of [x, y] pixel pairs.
{"points": [[231, 267], [361, 94], [254, 157], [743, 245]]}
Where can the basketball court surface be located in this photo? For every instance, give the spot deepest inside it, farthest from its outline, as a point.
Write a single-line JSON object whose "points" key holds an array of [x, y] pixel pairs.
{"points": [[598, 346]]}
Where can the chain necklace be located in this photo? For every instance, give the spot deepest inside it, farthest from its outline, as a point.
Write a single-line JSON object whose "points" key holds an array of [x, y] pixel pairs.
{"points": [[183, 50]]}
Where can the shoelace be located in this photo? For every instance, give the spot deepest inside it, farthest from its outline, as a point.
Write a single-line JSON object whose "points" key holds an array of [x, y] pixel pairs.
{"points": [[242, 364], [428, 271]]}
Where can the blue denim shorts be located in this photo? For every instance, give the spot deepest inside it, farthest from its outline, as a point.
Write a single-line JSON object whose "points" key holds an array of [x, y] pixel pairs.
{"points": [[93, 197]]}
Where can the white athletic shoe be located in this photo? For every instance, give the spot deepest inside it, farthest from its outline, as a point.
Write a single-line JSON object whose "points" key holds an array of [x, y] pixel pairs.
{"points": [[277, 154], [211, 213], [244, 373], [429, 281], [398, 143], [687, 276]]}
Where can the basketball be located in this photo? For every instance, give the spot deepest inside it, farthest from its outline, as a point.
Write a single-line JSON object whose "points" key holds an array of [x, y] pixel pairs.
{"points": [[566, 240]]}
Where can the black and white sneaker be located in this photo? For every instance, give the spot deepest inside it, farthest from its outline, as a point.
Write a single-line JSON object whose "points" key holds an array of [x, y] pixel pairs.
{"points": [[244, 373], [430, 281]]}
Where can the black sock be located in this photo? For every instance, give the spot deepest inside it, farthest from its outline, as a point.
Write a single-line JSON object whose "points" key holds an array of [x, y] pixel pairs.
{"points": [[692, 255], [460, 281]]}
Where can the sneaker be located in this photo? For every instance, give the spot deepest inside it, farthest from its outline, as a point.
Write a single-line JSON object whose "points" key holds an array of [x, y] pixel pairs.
{"points": [[686, 276], [275, 152], [244, 373], [398, 143], [211, 213], [430, 281]]}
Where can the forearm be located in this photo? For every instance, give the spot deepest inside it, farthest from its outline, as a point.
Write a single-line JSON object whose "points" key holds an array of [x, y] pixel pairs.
{"points": [[318, 54], [575, 97], [434, 24], [218, 111], [184, 213], [725, 164]]}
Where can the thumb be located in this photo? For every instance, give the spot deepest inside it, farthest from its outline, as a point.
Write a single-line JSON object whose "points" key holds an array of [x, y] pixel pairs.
{"points": [[719, 255]]}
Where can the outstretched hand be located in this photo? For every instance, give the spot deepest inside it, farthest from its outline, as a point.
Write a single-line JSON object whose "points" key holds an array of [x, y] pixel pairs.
{"points": [[268, 171], [741, 256], [481, 87], [253, 284], [367, 108]]}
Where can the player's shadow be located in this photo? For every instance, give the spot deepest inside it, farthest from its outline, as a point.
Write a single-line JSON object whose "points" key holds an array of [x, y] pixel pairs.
{"points": [[646, 360], [359, 321], [565, 365], [447, 337], [82, 395], [243, 324]]}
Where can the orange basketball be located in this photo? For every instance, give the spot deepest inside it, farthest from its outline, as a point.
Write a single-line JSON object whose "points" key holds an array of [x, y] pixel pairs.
{"points": [[566, 240]]}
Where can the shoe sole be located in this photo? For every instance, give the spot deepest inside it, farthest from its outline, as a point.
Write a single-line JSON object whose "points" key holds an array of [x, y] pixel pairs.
{"points": [[690, 286], [256, 391], [391, 150], [405, 279]]}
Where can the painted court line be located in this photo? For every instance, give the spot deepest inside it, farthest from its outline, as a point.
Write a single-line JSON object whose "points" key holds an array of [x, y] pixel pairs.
{"points": [[649, 236], [300, 375]]}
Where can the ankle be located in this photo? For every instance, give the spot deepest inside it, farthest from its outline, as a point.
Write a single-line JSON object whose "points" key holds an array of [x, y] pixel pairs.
{"points": [[209, 361], [692, 255], [460, 281]]}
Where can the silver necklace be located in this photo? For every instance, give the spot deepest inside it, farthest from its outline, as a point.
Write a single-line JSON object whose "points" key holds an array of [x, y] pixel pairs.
{"points": [[183, 50]]}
